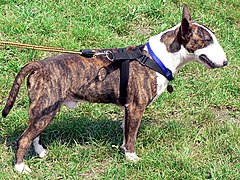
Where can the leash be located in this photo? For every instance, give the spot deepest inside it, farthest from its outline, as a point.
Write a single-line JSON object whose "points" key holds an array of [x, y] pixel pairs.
{"points": [[86, 52], [35, 47]]}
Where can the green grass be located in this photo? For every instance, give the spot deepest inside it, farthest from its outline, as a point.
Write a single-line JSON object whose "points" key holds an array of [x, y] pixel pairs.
{"points": [[193, 133]]}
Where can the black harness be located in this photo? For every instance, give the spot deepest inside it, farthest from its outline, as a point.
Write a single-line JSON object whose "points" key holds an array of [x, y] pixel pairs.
{"points": [[124, 57]]}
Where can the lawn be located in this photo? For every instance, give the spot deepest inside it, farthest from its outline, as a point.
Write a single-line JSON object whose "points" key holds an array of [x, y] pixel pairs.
{"points": [[193, 133]]}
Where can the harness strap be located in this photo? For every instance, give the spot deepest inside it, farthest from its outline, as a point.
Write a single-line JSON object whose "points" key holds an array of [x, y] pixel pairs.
{"points": [[124, 57], [124, 77], [144, 60], [167, 72]]}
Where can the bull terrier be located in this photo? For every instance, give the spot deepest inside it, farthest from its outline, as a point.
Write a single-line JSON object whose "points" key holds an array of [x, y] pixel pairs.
{"points": [[68, 78]]}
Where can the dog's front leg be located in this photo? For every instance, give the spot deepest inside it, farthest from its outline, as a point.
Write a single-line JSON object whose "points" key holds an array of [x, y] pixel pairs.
{"points": [[131, 123]]}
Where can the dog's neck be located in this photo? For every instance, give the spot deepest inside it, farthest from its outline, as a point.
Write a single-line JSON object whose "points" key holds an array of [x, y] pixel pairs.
{"points": [[172, 60]]}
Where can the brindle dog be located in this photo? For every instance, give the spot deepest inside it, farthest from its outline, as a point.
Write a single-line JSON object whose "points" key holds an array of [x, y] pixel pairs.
{"points": [[68, 78]]}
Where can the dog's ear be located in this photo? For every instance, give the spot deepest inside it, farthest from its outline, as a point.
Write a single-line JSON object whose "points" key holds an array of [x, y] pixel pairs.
{"points": [[186, 24]]}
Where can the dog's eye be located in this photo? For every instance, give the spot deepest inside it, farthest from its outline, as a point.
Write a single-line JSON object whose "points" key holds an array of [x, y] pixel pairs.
{"points": [[208, 40]]}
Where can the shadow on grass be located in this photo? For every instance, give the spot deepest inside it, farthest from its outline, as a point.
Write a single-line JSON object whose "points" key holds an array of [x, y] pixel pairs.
{"points": [[69, 129], [81, 129]]}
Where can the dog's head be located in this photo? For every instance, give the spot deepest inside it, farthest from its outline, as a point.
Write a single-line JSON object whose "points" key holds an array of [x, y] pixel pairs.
{"points": [[201, 42]]}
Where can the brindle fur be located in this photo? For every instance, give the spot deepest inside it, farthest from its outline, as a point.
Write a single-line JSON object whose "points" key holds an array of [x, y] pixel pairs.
{"points": [[73, 77]]}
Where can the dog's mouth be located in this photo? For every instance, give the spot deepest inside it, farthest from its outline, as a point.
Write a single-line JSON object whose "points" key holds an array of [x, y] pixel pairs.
{"points": [[207, 62]]}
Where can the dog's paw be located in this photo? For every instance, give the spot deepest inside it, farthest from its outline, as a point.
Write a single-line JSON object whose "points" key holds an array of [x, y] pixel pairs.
{"points": [[43, 153], [132, 157], [22, 168], [39, 148]]}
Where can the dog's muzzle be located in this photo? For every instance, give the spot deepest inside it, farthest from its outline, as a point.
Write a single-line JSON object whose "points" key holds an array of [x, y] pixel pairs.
{"points": [[211, 64]]}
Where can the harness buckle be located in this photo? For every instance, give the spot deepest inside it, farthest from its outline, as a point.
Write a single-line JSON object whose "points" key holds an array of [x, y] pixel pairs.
{"points": [[143, 60]]}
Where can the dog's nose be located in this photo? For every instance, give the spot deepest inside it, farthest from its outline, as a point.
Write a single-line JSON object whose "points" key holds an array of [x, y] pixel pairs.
{"points": [[225, 63]]}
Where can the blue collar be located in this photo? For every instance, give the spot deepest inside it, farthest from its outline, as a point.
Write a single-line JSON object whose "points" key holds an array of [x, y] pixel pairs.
{"points": [[167, 72]]}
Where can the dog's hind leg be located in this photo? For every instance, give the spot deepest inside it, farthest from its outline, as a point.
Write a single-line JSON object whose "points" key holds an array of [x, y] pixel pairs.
{"points": [[36, 126], [132, 121], [33, 130]]}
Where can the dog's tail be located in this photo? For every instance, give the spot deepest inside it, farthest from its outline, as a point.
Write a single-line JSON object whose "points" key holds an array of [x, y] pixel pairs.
{"points": [[30, 67]]}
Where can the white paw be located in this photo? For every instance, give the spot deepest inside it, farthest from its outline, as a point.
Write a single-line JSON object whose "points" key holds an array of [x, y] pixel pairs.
{"points": [[123, 147], [43, 153], [132, 157], [22, 168], [39, 148]]}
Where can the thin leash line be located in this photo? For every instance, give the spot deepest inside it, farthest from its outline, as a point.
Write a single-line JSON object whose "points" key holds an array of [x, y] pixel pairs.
{"points": [[35, 47]]}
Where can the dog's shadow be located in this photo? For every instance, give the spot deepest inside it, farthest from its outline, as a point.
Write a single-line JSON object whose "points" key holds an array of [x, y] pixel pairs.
{"points": [[82, 129], [69, 129]]}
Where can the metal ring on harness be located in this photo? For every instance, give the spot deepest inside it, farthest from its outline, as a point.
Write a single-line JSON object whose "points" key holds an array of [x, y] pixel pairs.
{"points": [[109, 55]]}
